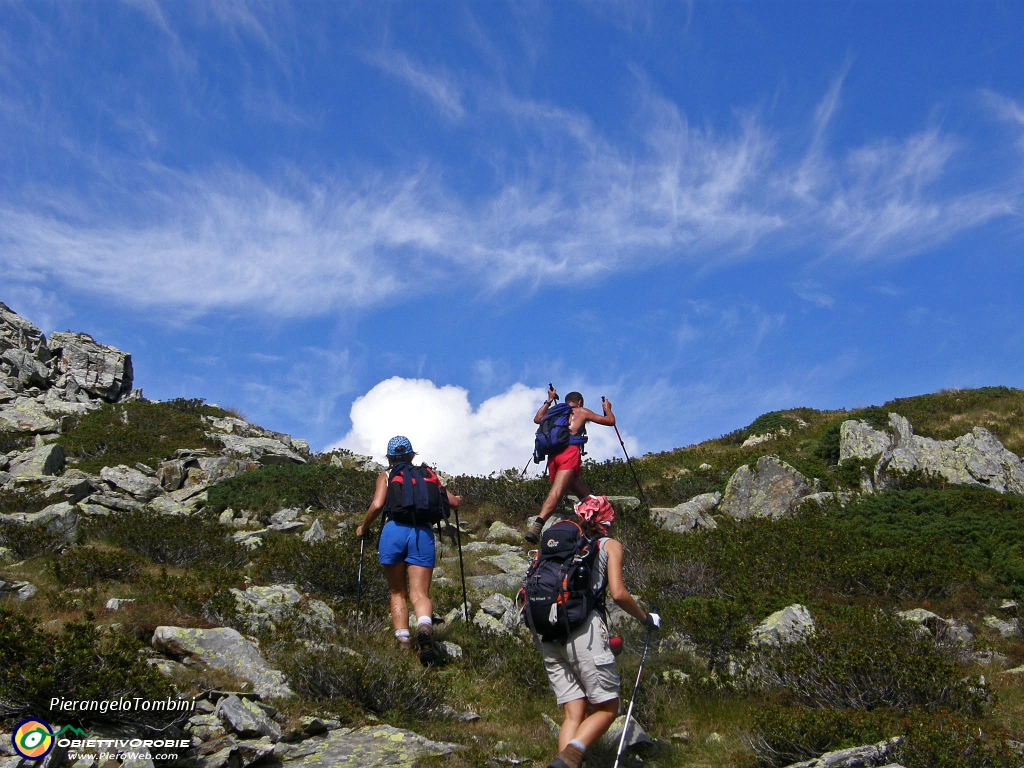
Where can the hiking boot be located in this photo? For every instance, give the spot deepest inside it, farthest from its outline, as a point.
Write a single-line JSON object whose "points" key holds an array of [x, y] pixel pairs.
{"points": [[570, 757], [533, 530], [425, 643]]}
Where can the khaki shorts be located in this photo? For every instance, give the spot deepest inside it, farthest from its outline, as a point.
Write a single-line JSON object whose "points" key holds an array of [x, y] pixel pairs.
{"points": [[584, 666]]}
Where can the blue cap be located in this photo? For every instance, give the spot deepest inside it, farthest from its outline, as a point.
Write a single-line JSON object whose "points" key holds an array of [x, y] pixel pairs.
{"points": [[399, 446]]}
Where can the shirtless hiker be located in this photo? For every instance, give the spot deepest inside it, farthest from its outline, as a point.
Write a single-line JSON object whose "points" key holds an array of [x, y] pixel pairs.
{"points": [[564, 468]]}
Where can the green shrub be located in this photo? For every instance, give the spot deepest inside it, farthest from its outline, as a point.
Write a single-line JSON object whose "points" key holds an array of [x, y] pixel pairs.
{"points": [[383, 683], [170, 539], [867, 659], [140, 431], [944, 740], [86, 566], [295, 485], [10, 441], [29, 540], [769, 422], [12, 502], [328, 568], [783, 735], [828, 446], [78, 664]]}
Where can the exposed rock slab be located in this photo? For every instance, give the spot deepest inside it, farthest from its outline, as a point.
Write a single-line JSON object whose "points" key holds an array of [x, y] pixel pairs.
{"points": [[60, 519], [102, 371], [131, 481], [262, 450], [26, 415], [868, 756], [792, 624], [772, 489], [369, 746], [858, 440], [690, 515], [265, 607], [227, 650], [45, 460]]}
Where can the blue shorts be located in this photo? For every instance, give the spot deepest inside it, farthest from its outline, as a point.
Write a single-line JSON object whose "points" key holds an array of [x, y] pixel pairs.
{"points": [[411, 544]]}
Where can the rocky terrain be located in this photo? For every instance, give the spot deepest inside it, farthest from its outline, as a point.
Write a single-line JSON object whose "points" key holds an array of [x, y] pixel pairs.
{"points": [[837, 589]]}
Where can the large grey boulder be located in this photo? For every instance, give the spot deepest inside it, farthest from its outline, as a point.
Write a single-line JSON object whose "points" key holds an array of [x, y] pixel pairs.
{"points": [[26, 415], [262, 450], [792, 624], [131, 481], [690, 515], [26, 368], [59, 519], [371, 745], [246, 719], [858, 440], [635, 735], [19, 590], [1008, 629], [976, 458], [102, 371], [772, 489], [171, 474], [227, 650], [45, 460]]}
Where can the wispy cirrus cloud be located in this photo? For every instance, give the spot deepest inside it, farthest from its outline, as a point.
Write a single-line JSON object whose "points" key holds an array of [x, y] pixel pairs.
{"points": [[583, 206], [440, 87]]}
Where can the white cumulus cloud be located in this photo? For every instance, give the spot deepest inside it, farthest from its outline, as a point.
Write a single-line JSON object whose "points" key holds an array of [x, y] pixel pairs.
{"points": [[447, 432]]}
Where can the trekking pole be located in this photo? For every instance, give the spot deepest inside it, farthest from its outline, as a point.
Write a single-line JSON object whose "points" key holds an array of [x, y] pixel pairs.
{"points": [[632, 701], [636, 479], [462, 570], [359, 578]]}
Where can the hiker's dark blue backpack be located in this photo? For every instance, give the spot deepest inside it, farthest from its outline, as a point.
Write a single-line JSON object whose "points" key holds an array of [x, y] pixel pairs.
{"points": [[415, 496], [557, 595], [553, 435]]}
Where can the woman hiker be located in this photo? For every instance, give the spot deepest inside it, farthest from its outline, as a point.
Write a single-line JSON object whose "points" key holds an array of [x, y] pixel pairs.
{"points": [[413, 501], [582, 670], [565, 466]]}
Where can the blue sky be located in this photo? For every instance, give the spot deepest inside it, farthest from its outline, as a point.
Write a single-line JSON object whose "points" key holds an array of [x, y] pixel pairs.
{"points": [[351, 218]]}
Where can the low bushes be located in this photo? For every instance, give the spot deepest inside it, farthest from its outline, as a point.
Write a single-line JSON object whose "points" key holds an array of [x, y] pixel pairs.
{"points": [[139, 431], [328, 568], [295, 485], [169, 539], [86, 566], [78, 664], [383, 683]]}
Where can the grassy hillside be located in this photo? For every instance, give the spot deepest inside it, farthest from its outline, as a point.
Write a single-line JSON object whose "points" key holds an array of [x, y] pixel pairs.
{"points": [[864, 676]]}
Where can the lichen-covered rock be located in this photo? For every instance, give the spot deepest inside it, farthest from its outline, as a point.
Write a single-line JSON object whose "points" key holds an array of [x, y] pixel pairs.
{"points": [[509, 563], [977, 458], [262, 450], [18, 333], [855, 757], [858, 440], [45, 460], [131, 481], [499, 531], [246, 719], [1008, 629], [171, 474], [371, 745], [315, 533], [689, 515], [227, 650], [635, 735], [623, 504], [27, 368], [26, 415], [773, 489], [59, 519], [792, 624], [264, 607], [102, 371], [19, 590]]}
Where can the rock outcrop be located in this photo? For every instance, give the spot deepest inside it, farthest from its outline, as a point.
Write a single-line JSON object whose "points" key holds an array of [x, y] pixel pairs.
{"points": [[690, 515], [976, 458], [790, 625], [772, 489], [223, 649]]}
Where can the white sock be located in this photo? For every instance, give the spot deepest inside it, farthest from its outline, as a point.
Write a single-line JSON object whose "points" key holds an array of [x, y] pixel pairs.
{"points": [[425, 621], [579, 745], [402, 635]]}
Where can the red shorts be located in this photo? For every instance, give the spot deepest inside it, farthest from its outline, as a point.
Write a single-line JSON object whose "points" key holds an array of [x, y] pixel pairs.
{"points": [[568, 459]]}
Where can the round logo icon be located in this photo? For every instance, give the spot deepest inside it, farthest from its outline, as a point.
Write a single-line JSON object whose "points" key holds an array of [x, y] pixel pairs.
{"points": [[32, 739]]}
